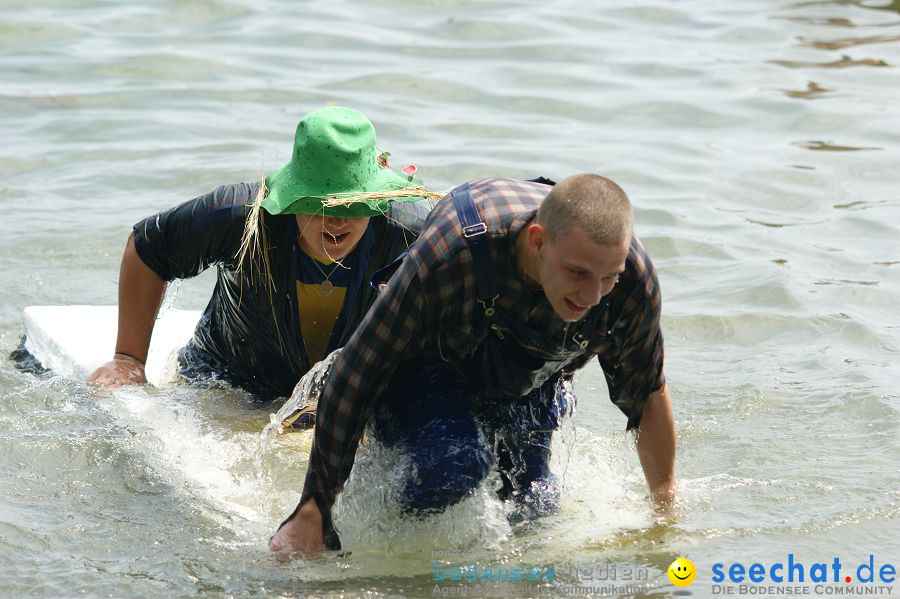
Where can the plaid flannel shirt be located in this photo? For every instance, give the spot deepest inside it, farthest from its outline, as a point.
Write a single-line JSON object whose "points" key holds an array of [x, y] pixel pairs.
{"points": [[429, 311]]}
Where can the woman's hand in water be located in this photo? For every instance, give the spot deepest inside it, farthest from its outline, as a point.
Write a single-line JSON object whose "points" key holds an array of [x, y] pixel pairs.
{"points": [[121, 370]]}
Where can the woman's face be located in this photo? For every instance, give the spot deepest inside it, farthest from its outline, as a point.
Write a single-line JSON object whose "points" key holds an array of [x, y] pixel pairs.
{"points": [[329, 236]]}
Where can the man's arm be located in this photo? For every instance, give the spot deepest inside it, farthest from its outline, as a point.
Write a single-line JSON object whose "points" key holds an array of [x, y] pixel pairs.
{"points": [[140, 295], [392, 332], [656, 445]]}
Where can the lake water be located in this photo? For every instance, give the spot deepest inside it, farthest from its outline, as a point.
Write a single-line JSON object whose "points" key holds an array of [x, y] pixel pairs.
{"points": [[758, 141]]}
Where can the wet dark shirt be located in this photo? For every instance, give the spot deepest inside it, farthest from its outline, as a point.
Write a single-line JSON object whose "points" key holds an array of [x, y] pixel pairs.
{"points": [[249, 333], [429, 311]]}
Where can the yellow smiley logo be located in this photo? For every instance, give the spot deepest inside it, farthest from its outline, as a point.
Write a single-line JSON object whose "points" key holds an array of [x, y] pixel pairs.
{"points": [[682, 572]]}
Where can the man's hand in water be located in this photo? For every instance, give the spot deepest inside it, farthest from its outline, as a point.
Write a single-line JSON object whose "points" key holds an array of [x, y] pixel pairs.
{"points": [[121, 370], [656, 447], [301, 533]]}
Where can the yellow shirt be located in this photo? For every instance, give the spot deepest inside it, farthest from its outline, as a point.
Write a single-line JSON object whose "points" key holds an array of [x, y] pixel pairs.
{"points": [[318, 312]]}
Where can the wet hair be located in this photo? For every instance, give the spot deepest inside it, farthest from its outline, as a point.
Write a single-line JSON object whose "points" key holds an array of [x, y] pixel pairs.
{"points": [[594, 203]]}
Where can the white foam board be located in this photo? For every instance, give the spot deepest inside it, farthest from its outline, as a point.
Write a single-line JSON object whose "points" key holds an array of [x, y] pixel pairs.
{"points": [[75, 340]]}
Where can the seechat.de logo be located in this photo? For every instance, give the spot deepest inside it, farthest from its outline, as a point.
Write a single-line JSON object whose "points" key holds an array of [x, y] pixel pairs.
{"points": [[833, 572]]}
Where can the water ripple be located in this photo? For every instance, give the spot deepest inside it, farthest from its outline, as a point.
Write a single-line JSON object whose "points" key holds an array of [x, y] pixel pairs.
{"points": [[758, 143], [843, 62]]}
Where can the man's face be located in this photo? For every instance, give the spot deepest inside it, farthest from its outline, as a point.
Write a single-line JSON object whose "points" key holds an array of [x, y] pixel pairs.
{"points": [[575, 271], [329, 236]]}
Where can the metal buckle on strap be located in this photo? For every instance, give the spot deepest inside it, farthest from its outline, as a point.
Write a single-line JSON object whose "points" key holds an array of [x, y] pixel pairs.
{"points": [[474, 230], [580, 341], [489, 310]]}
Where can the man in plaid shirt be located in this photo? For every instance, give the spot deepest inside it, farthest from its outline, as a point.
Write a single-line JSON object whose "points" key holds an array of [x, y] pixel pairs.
{"points": [[511, 286]]}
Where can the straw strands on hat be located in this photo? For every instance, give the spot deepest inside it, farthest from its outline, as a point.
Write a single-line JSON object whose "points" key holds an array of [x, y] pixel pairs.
{"points": [[253, 245], [413, 191], [254, 234]]}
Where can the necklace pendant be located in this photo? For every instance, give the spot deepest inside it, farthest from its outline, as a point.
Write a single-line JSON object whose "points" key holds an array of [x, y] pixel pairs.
{"points": [[326, 288]]}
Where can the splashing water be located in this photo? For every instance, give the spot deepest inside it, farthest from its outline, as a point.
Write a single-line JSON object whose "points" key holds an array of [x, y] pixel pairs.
{"points": [[168, 301], [303, 400]]}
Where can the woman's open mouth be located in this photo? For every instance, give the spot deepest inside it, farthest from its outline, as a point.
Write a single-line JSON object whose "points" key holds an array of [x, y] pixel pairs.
{"points": [[331, 239]]}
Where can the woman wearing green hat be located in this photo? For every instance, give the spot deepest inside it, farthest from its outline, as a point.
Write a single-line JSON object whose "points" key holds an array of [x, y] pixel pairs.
{"points": [[294, 255]]}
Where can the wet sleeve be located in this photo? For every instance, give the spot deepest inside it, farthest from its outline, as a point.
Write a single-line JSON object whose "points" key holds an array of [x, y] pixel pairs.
{"points": [[409, 215], [184, 241], [392, 332], [635, 369]]}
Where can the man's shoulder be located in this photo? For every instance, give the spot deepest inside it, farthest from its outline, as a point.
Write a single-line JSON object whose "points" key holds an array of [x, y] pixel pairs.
{"points": [[638, 287], [508, 187], [504, 199], [499, 202], [638, 262]]}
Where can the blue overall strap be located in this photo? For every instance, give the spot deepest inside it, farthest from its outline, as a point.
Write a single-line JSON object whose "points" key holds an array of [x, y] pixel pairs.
{"points": [[475, 232]]}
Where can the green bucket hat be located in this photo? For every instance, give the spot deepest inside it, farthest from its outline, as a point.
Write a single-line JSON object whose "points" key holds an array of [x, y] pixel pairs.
{"points": [[335, 171]]}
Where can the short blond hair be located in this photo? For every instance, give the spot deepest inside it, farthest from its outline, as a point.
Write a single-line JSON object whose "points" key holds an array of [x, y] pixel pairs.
{"points": [[596, 204]]}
